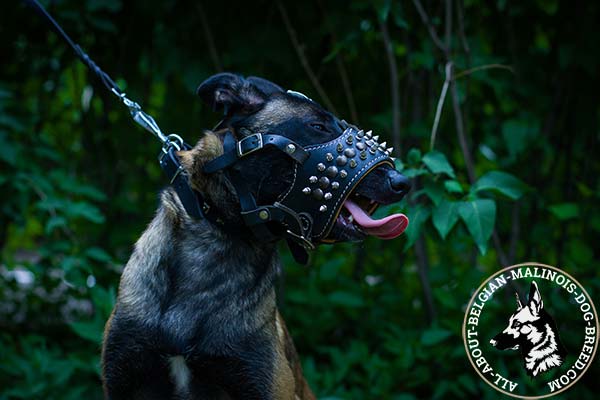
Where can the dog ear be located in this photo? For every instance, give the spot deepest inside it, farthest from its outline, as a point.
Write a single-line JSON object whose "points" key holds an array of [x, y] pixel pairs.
{"points": [[232, 93], [535, 299], [265, 86]]}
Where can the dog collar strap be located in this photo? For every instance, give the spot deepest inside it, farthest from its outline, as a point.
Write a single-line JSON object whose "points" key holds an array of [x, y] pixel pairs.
{"points": [[252, 143], [194, 203]]}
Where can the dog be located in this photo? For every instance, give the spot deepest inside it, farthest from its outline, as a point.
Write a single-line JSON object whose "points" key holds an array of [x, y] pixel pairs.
{"points": [[532, 330], [196, 314]]}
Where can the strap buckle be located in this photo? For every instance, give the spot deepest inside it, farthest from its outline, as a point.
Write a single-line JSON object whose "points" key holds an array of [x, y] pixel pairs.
{"points": [[249, 144]]}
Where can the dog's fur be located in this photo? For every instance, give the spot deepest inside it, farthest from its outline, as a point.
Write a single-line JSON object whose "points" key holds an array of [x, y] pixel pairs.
{"points": [[196, 316], [532, 330]]}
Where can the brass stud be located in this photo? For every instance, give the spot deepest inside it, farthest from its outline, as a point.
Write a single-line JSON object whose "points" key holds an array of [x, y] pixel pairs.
{"points": [[263, 214], [321, 167], [350, 139], [349, 153], [290, 148], [323, 208], [363, 155], [324, 182], [341, 160], [352, 163], [373, 149], [328, 196], [343, 174], [317, 194], [335, 185], [329, 157], [312, 179], [340, 147], [306, 190], [331, 172], [361, 146]]}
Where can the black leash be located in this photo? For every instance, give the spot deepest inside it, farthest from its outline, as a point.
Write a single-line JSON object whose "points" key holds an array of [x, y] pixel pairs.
{"points": [[194, 203]]}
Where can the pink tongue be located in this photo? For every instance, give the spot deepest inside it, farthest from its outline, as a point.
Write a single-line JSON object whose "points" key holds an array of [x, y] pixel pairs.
{"points": [[386, 228]]}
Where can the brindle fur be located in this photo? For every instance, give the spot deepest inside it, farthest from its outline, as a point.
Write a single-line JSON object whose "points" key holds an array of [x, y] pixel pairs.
{"points": [[196, 314]]}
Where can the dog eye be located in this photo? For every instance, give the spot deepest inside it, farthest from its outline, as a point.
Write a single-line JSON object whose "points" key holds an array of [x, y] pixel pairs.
{"points": [[319, 127]]}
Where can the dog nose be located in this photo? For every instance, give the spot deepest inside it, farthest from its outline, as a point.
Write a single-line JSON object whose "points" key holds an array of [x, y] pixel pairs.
{"points": [[398, 182]]}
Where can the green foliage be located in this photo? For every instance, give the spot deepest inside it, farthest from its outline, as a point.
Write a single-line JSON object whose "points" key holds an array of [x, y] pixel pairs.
{"points": [[79, 180]]}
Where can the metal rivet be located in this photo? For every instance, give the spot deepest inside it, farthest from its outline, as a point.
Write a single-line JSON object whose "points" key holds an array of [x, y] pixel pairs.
{"points": [[360, 134], [352, 163], [370, 142], [323, 208], [328, 196], [368, 134], [331, 172], [324, 182], [306, 190], [321, 167], [341, 160], [335, 185], [263, 214], [361, 146], [329, 157], [312, 179], [340, 147], [343, 174], [317, 194], [350, 139], [376, 138], [349, 153], [290, 148], [373, 149], [363, 155]]}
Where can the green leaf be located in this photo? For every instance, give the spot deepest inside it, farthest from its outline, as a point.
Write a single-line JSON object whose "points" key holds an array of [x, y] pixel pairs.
{"points": [[438, 163], [445, 216], [479, 216], [414, 156], [54, 222], [434, 191], [453, 186], [97, 254], [85, 210], [417, 216], [346, 299], [565, 211], [434, 336], [500, 182]]}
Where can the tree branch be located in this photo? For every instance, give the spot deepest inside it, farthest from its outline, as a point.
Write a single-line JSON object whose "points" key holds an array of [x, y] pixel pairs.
{"points": [[303, 60], [440, 105], [394, 83], [212, 49], [483, 67], [430, 27]]}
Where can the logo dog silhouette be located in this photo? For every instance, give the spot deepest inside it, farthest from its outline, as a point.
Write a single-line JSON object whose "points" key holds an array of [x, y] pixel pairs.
{"points": [[532, 330]]}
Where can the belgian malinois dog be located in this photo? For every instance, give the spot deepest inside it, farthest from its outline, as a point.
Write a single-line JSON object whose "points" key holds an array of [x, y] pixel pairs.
{"points": [[196, 314], [533, 331]]}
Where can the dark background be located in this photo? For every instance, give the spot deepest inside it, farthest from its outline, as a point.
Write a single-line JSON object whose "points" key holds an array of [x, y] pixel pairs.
{"points": [[513, 177]]}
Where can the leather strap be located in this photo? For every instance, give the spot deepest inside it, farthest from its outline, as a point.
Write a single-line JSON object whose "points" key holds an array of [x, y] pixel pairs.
{"points": [[252, 143]]}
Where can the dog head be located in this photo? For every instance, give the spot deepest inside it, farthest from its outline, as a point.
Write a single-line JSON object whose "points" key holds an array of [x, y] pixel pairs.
{"points": [[526, 325], [253, 105]]}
